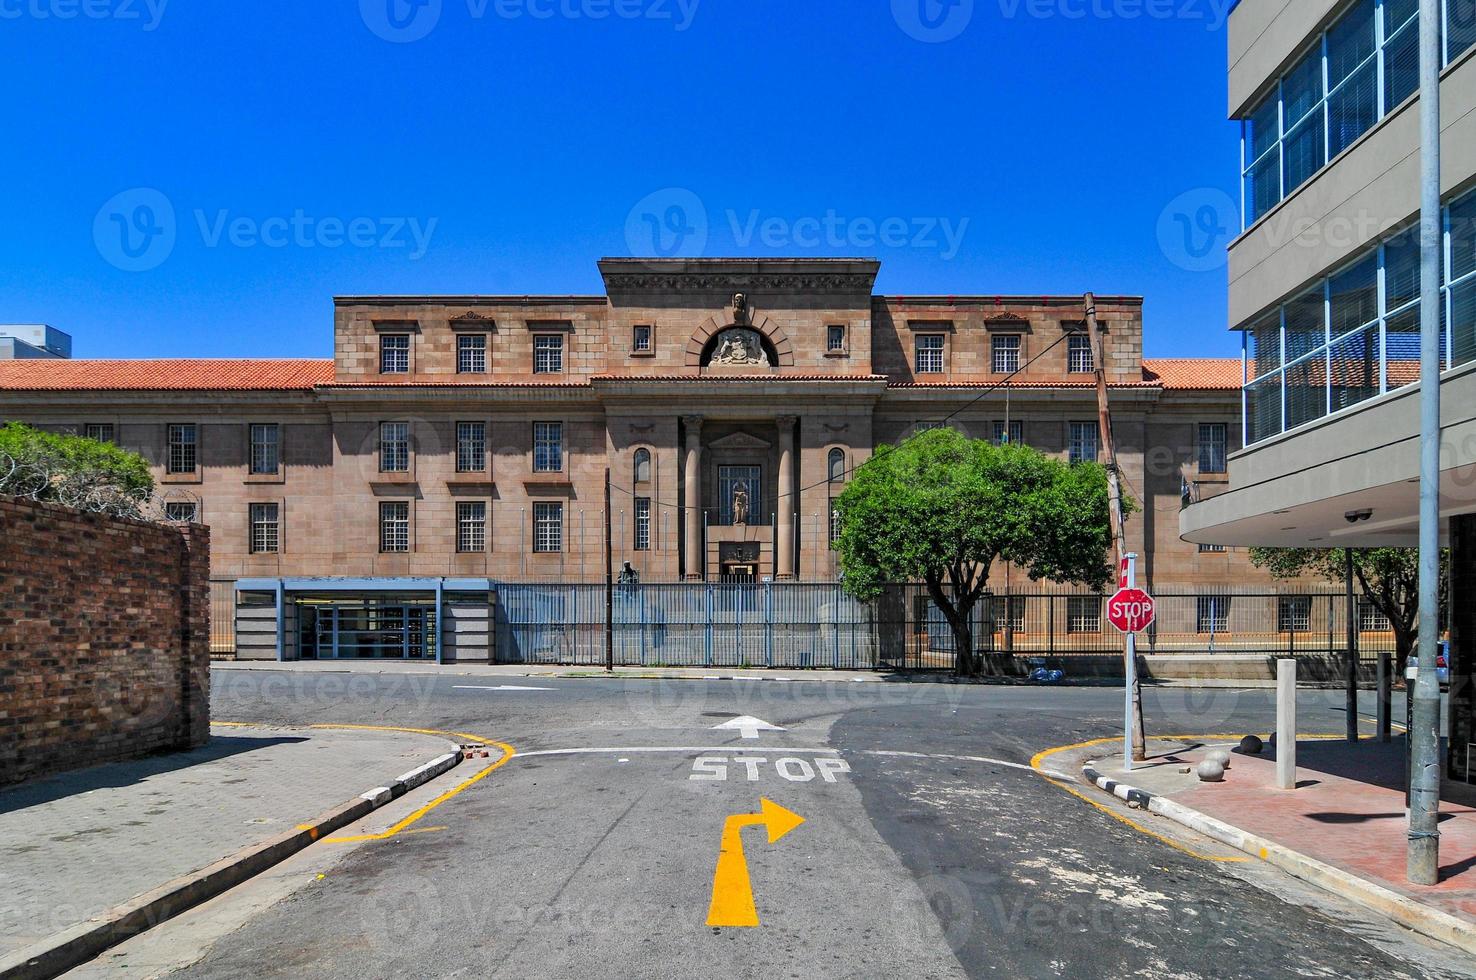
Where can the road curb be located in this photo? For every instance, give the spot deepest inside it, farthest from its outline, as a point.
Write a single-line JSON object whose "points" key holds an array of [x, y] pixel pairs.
{"points": [[1408, 912], [79, 943]]}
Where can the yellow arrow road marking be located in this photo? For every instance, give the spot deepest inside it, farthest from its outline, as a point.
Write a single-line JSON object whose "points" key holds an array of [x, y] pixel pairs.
{"points": [[732, 891]]}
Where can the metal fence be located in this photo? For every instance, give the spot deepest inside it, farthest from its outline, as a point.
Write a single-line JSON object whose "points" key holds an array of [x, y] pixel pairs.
{"points": [[819, 625], [222, 616]]}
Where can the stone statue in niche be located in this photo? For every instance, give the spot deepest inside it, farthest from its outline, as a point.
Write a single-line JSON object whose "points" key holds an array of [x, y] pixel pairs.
{"points": [[738, 348], [740, 308], [740, 505]]}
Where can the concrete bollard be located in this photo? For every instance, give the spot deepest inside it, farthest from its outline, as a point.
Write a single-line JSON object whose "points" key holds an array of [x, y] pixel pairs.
{"points": [[1286, 724]]}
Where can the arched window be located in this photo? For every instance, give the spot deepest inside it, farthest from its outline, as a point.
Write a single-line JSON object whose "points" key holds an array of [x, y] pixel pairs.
{"points": [[643, 466], [836, 467]]}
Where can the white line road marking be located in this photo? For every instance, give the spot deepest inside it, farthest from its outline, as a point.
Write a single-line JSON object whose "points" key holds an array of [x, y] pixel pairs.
{"points": [[684, 749], [501, 687], [969, 758], [748, 726]]}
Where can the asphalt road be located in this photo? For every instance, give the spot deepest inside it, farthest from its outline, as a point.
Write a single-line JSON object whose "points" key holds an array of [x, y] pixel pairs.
{"points": [[594, 851]]}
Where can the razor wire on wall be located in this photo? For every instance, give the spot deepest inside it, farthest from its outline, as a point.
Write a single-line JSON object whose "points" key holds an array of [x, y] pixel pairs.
{"points": [[93, 491]]}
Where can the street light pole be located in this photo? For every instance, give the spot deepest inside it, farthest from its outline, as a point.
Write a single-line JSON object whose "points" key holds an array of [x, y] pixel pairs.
{"points": [[1424, 770]]}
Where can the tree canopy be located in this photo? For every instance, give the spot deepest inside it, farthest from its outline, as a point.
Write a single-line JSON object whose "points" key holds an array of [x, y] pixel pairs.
{"points": [[59, 466], [941, 509]]}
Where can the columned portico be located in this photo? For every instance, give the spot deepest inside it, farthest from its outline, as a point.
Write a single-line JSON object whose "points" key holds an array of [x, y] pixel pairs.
{"points": [[785, 500], [694, 562]]}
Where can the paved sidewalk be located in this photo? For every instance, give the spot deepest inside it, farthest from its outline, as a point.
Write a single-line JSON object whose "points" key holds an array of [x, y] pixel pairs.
{"points": [[74, 845], [1347, 810]]}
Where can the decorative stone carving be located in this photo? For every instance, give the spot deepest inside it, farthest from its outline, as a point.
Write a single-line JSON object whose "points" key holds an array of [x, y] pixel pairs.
{"points": [[740, 309], [740, 505], [730, 283], [738, 347], [739, 442]]}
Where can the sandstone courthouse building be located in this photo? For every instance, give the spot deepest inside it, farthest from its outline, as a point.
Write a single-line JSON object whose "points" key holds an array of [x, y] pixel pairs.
{"points": [[455, 445]]}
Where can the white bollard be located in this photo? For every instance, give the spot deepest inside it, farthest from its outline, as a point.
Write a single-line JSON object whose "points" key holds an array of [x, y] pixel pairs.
{"points": [[1286, 724]]}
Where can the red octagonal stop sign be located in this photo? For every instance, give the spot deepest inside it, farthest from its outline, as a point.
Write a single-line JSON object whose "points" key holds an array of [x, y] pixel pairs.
{"points": [[1130, 610]]}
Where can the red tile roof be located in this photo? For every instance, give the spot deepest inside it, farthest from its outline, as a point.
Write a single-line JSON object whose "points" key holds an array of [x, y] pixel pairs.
{"points": [[1194, 373], [173, 374]]}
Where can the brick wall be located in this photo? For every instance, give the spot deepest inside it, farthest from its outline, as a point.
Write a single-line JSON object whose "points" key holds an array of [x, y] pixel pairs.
{"points": [[104, 638]]}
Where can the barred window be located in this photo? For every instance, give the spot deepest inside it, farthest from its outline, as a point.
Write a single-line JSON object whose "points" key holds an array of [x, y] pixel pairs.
{"points": [[394, 353], [1083, 614], [835, 337], [643, 466], [471, 447], [101, 431], [640, 339], [471, 525], [548, 527], [1083, 448], [548, 353], [1213, 614], [1006, 351], [471, 353], [1009, 614], [1211, 549], [643, 524], [929, 348], [394, 525], [265, 529], [1294, 614], [265, 448], [548, 447], [1214, 445], [181, 511], [1371, 619], [835, 524], [394, 447], [1079, 358], [1012, 433], [182, 444]]}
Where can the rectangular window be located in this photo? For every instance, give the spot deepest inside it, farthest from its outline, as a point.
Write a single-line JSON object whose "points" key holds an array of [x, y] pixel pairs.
{"points": [[394, 526], [1294, 614], [929, 347], [1083, 614], [548, 527], [181, 511], [548, 353], [471, 447], [835, 524], [471, 525], [182, 445], [471, 353], [265, 529], [265, 448], [835, 338], [1006, 350], [1011, 433], [1008, 614], [1079, 358], [640, 340], [1211, 549], [100, 431], [394, 353], [1214, 446], [643, 524], [1213, 614], [548, 447], [1371, 619], [394, 447], [1083, 447], [740, 483]]}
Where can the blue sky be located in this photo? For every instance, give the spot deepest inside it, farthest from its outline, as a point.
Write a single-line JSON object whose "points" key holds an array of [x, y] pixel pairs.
{"points": [[199, 179]]}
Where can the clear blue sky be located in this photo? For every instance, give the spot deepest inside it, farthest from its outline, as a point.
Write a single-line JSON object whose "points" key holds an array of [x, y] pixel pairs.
{"points": [[1033, 152]]}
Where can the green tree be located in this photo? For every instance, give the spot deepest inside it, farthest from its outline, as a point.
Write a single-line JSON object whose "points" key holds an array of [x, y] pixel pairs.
{"points": [[1389, 578], [58, 466], [942, 509]]}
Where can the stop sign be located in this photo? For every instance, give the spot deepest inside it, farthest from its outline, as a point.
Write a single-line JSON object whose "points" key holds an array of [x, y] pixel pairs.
{"points": [[1130, 610]]}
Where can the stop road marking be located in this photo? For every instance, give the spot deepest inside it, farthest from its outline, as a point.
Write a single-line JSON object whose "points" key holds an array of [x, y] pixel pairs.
{"points": [[714, 768]]}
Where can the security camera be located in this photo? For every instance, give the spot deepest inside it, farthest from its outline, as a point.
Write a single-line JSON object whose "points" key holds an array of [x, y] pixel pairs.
{"points": [[1354, 516]]}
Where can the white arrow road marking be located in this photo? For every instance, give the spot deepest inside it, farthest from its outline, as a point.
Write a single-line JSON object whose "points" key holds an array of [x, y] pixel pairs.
{"points": [[749, 726], [502, 687]]}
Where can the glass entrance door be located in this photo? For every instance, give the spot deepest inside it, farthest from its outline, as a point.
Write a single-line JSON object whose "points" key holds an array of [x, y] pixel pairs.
{"points": [[371, 631]]}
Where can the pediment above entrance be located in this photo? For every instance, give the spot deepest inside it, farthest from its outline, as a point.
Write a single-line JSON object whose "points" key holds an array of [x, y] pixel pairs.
{"points": [[738, 441]]}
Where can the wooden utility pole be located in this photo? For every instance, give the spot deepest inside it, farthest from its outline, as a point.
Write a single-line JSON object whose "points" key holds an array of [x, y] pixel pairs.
{"points": [[609, 583], [1114, 498]]}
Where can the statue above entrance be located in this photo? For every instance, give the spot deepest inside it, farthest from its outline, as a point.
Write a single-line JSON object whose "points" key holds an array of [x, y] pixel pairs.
{"points": [[738, 347]]}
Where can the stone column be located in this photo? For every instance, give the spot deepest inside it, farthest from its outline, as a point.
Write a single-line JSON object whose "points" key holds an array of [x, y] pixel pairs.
{"points": [[784, 532], [694, 562]]}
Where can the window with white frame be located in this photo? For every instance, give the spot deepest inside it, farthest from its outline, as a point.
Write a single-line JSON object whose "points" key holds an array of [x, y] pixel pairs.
{"points": [[1005, 348], [266, 453], [548, 447], [929, 353], [640, 340], [394, 353], [394, 447], [1214, 447], [471, 447], [471, 525], [266, 529], [548, 527], [1008, 615], [1083, 614], [1211, 549], [548, 353], [1294, 614], [1371, 618], [643, 465], [100, 431], [1010, 433], [1079, 359], [1212, 614], [181, 511], [642, 523], [471, 353], [1083, 442], [182, 456], [394, 526], [835, 338]]}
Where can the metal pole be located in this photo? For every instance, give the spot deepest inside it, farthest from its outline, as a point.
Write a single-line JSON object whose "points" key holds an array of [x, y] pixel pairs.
{"points": [[1351, 667], [1132, 744], [609, 584], [1424, 770]]}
